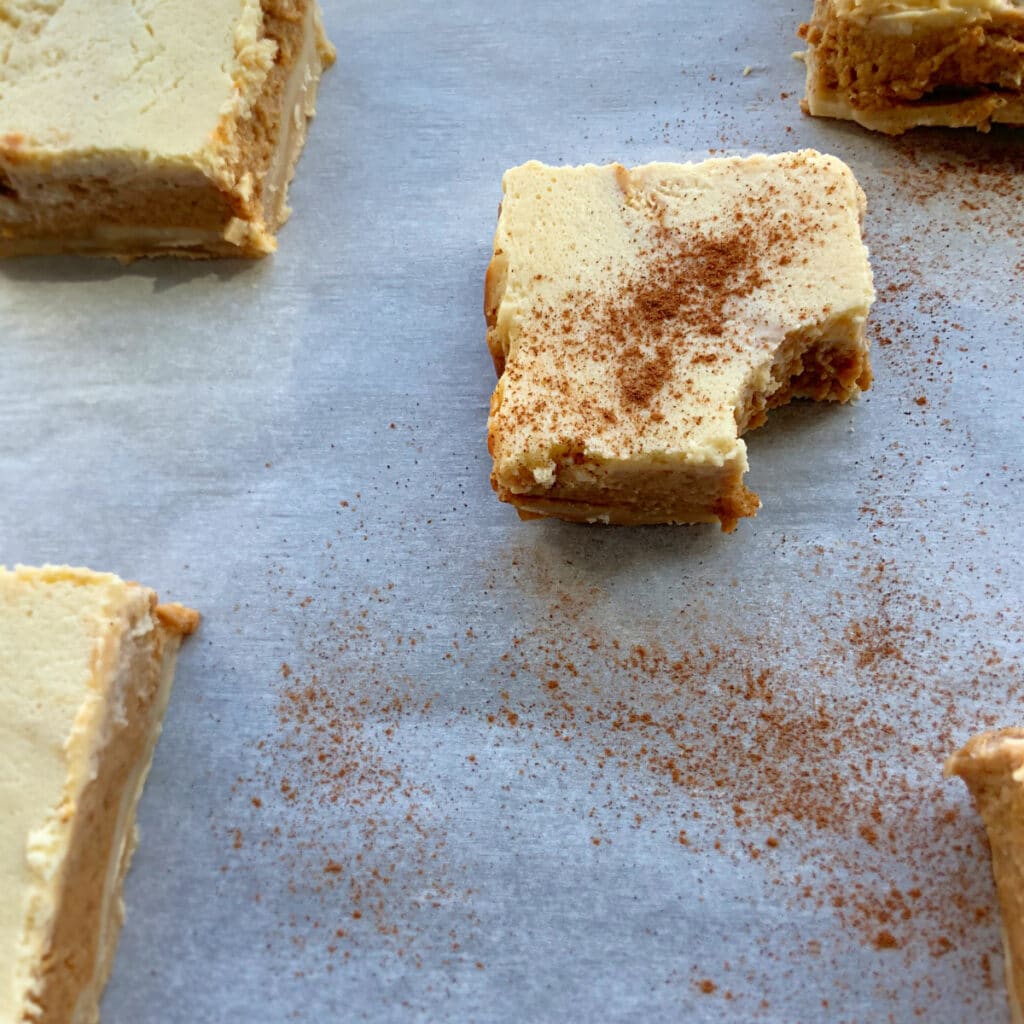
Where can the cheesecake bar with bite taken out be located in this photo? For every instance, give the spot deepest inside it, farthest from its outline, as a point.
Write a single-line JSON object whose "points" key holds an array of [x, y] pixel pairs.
{"points": [[641, 320]]}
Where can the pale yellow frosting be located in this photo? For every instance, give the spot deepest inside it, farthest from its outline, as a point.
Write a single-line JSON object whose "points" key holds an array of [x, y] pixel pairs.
{"points": [[911, 14], [151, 79]]}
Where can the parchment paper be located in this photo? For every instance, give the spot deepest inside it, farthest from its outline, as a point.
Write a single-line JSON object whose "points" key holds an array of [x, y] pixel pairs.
{"points": [[425, 762]]}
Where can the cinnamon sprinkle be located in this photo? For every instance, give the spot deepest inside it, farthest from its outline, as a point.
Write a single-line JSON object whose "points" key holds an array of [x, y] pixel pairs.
{"points": [[753, 725], [683, 293]]}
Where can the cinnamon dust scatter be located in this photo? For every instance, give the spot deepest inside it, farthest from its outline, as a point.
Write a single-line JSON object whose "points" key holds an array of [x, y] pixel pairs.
{"points": [[686, 289], [815, 751], [355, 840], [943, 224], [967, 173]]}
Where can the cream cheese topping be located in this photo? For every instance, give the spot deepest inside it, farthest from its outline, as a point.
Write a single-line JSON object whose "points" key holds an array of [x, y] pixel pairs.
{"points": [[911, 14], [48, 644], [150, 78]]}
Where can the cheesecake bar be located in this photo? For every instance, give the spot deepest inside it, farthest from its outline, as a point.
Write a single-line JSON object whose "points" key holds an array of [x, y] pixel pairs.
{"points": [[992, 766], [891, 65], [169, 127], [641, 320], [86, 662]]}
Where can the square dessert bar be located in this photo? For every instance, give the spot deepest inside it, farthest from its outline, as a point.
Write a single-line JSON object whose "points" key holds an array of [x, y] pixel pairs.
{"points": [[169, 127], [892, 65], [86, 664], [641, 320]]}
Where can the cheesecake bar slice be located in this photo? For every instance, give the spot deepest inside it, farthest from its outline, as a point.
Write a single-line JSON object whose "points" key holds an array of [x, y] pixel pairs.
{"points": [[163, 127], [642, 320], [992, 766], [86, 662], [892, 65]]}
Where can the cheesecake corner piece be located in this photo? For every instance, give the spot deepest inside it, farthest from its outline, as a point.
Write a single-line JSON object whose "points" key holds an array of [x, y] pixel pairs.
{"points": [[168, 129], [641, 320], [893, 65], [991, 765], [86, 667]]}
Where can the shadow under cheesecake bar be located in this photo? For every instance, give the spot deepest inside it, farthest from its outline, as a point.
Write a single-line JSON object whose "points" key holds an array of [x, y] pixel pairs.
{"points": [[641, 320], [892, 65], [170, 133]]}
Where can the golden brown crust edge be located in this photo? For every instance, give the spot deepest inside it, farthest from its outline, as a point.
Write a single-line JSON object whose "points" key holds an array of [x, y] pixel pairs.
{"points": [[992, 766], [495, 283], [727, 511], [178, 618]]}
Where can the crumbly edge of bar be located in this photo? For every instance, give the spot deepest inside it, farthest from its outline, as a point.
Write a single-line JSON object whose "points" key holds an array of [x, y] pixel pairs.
{"points": [[823, 365], [966, 76], [79, 955], [220, 216]]}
